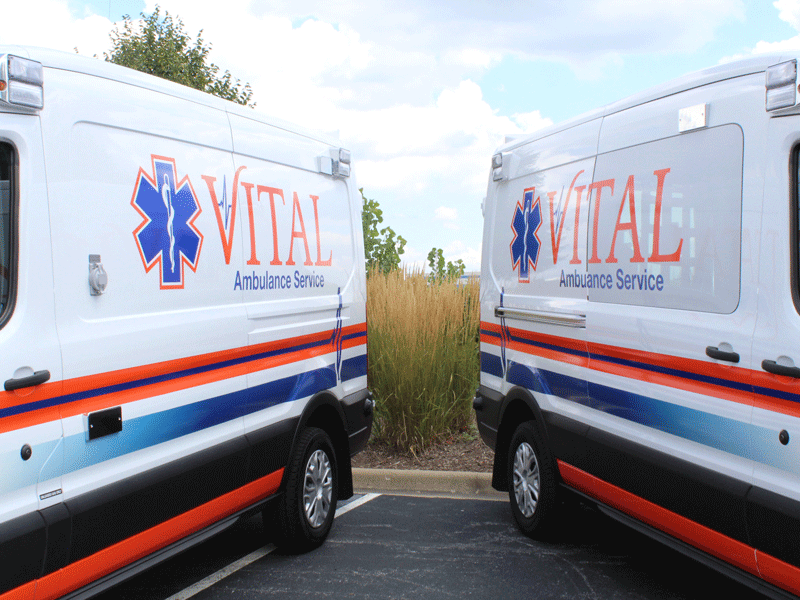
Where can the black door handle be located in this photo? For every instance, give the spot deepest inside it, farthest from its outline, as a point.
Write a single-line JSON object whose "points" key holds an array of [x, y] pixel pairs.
{"points": [[770, 366], [29, 381], [714, 352]]}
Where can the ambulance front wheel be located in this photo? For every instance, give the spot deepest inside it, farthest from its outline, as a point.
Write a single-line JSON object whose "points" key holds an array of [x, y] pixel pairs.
{"points": [[305, 514], [532, 479]]}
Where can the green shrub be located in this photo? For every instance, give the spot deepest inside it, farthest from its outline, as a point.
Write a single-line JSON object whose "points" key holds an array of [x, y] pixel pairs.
{"points": [[423, 356]]}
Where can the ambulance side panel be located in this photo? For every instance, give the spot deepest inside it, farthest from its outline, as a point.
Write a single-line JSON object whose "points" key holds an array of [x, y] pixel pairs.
{"points": [[232, 319], [638, 304], [535, 222], [29, 417], [302, 280], [774, 507], [663, 414], [132, 349]]}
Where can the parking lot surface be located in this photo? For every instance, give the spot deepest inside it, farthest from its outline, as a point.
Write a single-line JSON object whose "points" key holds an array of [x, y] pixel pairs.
{"points": [[419, 547]]}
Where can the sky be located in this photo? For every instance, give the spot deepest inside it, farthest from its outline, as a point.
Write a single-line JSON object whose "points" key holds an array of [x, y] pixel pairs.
{"points": [[423, 91]]}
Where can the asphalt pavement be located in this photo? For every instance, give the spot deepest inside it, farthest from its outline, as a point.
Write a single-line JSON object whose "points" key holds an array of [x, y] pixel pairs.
{"points": [[432, 543]]}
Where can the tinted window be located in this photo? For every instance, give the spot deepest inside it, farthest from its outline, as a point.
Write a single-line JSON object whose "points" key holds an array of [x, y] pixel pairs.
{"points": [[6, 224]]}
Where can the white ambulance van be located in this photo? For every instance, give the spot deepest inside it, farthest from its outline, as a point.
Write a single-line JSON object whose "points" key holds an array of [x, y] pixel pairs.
{"points": [[182, 323], [640, 318]]}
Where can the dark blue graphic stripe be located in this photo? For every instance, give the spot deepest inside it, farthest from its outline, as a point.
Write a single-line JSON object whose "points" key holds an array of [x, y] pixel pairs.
{"points": [[129, 385], [688, 375]]}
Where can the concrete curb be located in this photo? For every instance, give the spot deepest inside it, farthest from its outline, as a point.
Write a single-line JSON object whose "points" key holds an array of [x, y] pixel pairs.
{"points": [[417, 482]]}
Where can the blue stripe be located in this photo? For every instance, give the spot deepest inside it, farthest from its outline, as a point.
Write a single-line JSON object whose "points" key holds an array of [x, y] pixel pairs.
{"points": [[149, 430], [726, 383], [129, 385], [353, 368], [746, 440], [491, 364]]}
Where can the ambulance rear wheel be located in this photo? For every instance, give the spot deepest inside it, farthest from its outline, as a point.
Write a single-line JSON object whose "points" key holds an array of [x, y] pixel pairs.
{"points": [[305, 514], [532, 481]]}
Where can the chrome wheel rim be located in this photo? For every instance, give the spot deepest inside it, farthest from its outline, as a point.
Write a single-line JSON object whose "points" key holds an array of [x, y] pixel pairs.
{"points": [[317, 488], [526, 479]]}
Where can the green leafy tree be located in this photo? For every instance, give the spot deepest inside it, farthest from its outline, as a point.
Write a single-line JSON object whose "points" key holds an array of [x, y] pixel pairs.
{"points": [[161, 47], [382, 247], [441, 271]]}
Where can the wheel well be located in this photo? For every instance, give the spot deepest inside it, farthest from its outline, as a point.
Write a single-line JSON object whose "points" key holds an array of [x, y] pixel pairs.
{"points": [[327, 418], [517, 411]]}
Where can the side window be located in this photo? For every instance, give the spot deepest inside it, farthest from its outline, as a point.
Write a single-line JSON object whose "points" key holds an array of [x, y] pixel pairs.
{"points": [[7, 245], [666, 231]]}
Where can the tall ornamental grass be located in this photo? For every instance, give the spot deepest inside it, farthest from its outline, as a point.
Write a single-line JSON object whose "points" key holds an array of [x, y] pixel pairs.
{"points": [[423, 356]]}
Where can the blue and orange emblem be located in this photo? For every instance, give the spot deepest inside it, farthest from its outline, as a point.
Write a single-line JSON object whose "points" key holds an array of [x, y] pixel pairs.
{"points": [[167, 236], [526, 245]]}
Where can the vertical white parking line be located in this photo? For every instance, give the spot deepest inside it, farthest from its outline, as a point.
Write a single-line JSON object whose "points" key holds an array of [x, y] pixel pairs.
{"points": [[355, 504], [253, 556], [222, 573]]}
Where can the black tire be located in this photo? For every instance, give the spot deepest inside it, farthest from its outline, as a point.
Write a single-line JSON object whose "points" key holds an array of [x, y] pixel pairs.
{"points": [[532, 486], [302, 527]]}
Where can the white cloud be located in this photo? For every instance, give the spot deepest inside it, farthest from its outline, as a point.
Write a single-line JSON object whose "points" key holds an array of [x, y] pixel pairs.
{"points": [[49, 23], [445, 213], [400, 78], [789, 11], [782, 46], [448, 217], [469, 254]]}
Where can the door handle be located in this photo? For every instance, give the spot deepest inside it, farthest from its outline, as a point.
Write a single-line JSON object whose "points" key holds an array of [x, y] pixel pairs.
{"points": [[770, 366], [29, 381], [714, 352]]}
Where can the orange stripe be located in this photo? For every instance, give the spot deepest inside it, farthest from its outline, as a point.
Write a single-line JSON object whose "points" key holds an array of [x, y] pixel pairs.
{"points": [[108, 560], [747, 558], [724, 373], [691, 532], [779, 573], [676, 381], [23, 592], [88, 383]]}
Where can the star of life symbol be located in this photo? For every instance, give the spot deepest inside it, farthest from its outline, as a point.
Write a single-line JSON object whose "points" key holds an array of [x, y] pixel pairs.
{"points": [[526, 245], [167, 236]]}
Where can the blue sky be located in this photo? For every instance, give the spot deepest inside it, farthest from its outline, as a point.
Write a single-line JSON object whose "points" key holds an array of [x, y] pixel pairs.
{"points": [[423, 91], [515, 85]]}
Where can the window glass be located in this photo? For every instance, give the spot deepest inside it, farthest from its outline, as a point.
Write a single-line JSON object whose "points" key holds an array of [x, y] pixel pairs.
{"points": [[6, 223], [665, 223]]}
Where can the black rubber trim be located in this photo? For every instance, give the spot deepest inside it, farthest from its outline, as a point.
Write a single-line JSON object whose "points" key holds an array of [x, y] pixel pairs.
{"points": [[684, 488], [118, 511], [488, 417], [269, 448], [712, 562], [774, 523], [59, 533], [43, 542], [22, 548], [166, 553], [358, 414]]}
